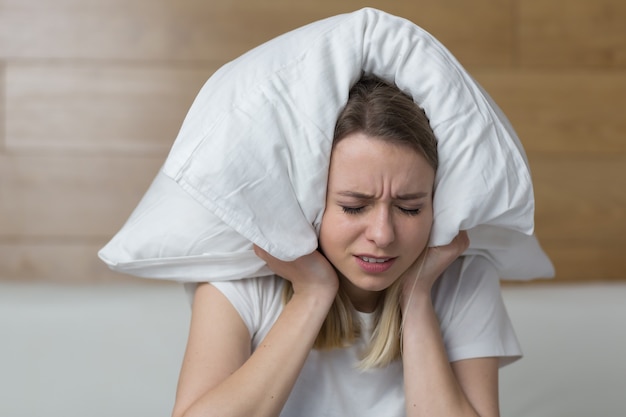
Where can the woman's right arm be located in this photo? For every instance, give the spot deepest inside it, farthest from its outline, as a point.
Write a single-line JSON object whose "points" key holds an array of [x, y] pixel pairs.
{"points": [[219, 376]]}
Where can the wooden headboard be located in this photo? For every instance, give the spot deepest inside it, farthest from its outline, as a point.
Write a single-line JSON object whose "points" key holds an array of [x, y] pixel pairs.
{"points": [[94, 93]]}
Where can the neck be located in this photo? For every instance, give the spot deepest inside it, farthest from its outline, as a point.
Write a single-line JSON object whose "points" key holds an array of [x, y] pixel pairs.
{"points": [[362, 300]]}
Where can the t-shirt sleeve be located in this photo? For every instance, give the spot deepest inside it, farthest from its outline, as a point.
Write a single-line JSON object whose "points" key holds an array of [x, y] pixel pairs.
{"points": [[257, 300], [473, 318]]}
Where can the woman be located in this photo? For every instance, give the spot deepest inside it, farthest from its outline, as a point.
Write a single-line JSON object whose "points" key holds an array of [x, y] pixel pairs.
{"points": [[365, 325]]}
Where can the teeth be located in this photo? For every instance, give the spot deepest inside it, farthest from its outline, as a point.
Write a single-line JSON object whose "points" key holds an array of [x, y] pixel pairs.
{"points": [[374, 260]]}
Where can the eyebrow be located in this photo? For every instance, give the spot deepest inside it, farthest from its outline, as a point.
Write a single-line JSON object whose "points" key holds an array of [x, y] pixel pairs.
{"points": [[403, 197]]}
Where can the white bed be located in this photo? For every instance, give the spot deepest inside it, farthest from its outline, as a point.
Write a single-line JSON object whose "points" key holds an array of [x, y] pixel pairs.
{"points": [[115, 350]]}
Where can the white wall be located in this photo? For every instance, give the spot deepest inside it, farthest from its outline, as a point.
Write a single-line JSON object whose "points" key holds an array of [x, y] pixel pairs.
{"points": [[115, 350]]}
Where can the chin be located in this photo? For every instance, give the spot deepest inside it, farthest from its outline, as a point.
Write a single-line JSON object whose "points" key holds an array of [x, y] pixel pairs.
{"points": [[373, 284]]}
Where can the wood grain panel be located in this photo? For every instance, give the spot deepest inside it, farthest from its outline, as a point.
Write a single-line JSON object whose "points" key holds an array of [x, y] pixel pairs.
{"points": [[575, 261], [2, 108], [51, 202], [581, 200], [580, 214], [92, 94], [573, 33], [60, 262], [76, 261], [66, 197], [479, 32], [97, 107], [563, 112]]}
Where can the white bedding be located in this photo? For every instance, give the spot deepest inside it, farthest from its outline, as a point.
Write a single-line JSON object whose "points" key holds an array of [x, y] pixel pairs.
{"points": [[115, 350]]}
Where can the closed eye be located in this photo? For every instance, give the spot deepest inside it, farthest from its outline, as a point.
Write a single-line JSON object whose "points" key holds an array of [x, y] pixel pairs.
{"points": [[410, 212], [352, 210]]}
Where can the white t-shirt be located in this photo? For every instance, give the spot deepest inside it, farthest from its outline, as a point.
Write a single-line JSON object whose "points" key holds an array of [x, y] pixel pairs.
{"points": [[474, 323]]}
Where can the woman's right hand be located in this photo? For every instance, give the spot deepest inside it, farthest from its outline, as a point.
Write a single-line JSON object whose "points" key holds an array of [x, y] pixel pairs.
{"points": [[309, 273]]}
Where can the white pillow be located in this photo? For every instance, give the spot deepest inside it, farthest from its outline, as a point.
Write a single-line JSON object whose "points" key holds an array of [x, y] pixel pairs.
{"points": [[251, 160]]}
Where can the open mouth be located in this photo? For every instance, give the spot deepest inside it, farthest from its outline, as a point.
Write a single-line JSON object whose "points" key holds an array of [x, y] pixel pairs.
{"points": [[374, 260], [374, 265]]}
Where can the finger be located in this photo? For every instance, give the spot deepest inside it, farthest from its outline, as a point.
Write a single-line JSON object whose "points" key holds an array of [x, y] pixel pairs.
{"points": [[459, 243], [258, 251], [464, 240]]}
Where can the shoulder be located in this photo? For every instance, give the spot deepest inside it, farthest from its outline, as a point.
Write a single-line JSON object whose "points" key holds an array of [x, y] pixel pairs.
{"points": [[472, 315], [257, 300], [257, 286], [258, 292], [467, 278]]}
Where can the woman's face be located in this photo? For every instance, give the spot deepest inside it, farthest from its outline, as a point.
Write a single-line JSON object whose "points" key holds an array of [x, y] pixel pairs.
{"points": [[378, 214]]}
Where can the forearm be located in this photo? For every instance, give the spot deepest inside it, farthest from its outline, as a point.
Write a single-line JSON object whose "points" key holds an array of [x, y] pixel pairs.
{"points": [[261, 386], [431, 388]]}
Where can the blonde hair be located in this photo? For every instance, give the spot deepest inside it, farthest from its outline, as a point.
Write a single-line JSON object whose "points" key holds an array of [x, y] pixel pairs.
{"points": [[378, 110], [342, 328]]}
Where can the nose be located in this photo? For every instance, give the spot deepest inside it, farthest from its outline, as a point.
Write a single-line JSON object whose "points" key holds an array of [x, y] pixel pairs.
{"points": [[380, 228]]}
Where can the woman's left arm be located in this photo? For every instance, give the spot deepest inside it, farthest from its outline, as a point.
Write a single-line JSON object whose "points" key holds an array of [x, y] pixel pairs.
{"points": [[434, 386]]}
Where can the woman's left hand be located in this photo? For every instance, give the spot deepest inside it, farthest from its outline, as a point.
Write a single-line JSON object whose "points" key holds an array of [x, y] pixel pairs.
{"points": [[422, 275]]}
